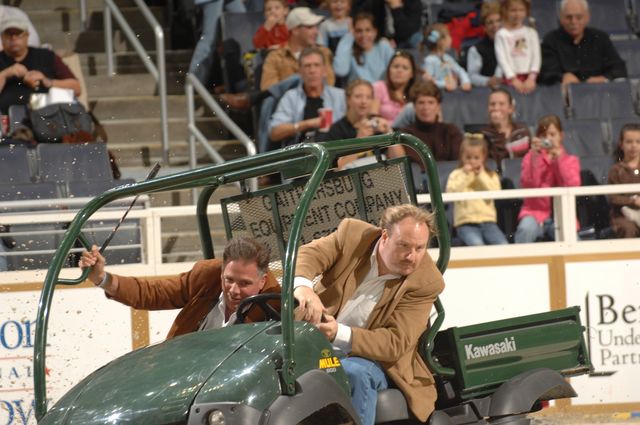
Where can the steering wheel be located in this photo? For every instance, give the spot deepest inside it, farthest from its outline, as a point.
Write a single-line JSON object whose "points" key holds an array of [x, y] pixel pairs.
{"points": [[262, 301]]}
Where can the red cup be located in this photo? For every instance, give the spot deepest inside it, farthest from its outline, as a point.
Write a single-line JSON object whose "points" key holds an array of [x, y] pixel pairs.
{"points": [[326, 119], [4, 124]]}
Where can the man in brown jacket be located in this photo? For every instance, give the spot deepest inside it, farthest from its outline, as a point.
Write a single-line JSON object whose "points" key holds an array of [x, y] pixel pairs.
{"points": [[373, 303], [208, 294]]}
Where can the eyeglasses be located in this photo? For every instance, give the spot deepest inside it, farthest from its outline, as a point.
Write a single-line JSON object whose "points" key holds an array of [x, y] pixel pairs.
{"points": [[11, 32]]}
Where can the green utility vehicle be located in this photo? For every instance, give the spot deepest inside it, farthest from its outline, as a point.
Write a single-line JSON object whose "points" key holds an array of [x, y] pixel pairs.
{"points": [[283, 371]]}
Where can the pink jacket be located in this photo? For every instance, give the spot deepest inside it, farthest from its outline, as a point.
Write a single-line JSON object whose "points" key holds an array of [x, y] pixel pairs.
{"points": [[538, 170]]}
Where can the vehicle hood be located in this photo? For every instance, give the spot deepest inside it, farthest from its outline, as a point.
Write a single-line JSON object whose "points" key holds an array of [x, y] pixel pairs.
{"points": [[154, 385]]}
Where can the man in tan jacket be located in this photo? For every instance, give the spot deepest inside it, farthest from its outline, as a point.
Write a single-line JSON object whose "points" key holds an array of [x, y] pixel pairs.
{"points": [[373, 303], [208, 294]]}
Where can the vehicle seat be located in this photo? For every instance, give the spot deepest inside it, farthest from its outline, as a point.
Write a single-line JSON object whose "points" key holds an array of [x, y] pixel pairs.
{"points": [[391, 406]]}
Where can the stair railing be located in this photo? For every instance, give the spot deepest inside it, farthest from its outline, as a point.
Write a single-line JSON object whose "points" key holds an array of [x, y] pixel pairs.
{"points": [[157, 70], [192, 83]]}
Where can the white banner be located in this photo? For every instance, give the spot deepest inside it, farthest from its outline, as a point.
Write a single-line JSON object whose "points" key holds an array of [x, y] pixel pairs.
{"points": [[609, 295], [85, 331]]}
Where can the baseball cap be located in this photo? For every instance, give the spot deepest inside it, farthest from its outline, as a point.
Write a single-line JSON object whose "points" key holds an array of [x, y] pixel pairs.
{"points": [[16, 21], [302, 16]]}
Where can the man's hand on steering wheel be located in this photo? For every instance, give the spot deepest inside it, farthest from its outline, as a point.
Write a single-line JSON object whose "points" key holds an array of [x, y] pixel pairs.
{"points": [[310, 304]]}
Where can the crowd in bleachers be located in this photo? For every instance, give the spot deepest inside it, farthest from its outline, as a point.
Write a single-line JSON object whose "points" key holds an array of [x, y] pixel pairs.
{"points": [[497, 68]]}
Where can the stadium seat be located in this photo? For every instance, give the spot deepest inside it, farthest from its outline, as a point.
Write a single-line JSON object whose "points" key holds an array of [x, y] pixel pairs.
{"points": [[544, 100], [444, 169], [629, 50], [545, 16], [66, 162], [87, 188], [14, 165], [610, 16], [600, 101], [30, 242], [237, 35], [596, 169], [585, 138], [460, 107], [511, 168]]}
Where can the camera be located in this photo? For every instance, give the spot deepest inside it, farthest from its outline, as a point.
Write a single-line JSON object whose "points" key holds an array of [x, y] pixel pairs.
{"points": [[546, 144]]}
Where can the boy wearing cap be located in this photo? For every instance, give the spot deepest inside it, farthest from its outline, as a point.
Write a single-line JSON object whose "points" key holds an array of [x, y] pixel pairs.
{"points": [[303, 32], [25, 70]]}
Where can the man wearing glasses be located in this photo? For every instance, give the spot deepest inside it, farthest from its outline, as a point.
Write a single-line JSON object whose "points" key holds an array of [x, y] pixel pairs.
{"points": [[25, 70]]}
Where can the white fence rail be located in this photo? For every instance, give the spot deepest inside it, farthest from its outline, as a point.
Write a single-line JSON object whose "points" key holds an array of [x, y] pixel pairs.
{"points": [[152, 231]]}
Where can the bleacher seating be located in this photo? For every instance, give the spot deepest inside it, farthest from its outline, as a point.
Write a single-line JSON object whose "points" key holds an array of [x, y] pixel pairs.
{"points": [[601, 101], [543, 101], [68, 162], [585, 138], [28, 190], [610, 16], [545, 16], [460, 107], [629, 50], [237, 34], [511, 171], [596, 169], [87, 188], [15, 166]]}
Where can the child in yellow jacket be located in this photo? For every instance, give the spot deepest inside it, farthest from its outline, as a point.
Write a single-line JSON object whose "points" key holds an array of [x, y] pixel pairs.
{"points": [[475, 220]]}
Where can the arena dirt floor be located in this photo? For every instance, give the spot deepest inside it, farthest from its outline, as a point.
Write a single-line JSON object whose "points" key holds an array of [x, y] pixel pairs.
{"points": [[559, 418]]}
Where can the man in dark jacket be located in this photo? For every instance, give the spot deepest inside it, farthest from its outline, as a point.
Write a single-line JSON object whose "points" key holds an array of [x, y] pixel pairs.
{"points": [[25, 70], [576, 53]]}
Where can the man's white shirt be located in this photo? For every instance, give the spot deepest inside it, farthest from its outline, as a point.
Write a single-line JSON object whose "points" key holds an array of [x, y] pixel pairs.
{"points": [[357, 310]]}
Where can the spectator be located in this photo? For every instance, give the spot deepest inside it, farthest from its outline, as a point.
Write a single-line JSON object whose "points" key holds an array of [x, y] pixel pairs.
{"points": [[518, 46], [25, 70], [439, 65], [482, 65], [577, 53], [506, 138], [391, 94], [360, 122], [296, 118], [282, 63], [547, 164], [397, 20], [9, 12], [625, 209], [362, 55], [337, 25], [442, 138], [273, 33], [475, 220], [202, 59]]}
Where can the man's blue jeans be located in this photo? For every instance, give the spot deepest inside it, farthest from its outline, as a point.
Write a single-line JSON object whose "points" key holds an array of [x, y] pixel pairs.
{"points": [[202, 59], [366, 378]]}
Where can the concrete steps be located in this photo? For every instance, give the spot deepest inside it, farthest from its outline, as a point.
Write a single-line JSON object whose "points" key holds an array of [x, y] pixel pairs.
{"points": [[177, 61]]}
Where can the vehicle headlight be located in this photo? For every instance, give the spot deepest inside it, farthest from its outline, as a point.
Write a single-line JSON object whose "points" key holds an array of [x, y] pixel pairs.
{"points": [[216, 417]]}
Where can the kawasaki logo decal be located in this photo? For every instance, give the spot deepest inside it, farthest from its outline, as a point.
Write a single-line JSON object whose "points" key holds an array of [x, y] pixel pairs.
{"points": [[479, 351]]}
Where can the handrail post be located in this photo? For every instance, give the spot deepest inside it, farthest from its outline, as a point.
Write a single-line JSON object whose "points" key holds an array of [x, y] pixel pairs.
{"points": [[191, 138], [83, 14], [108, 38], [162, 88]]}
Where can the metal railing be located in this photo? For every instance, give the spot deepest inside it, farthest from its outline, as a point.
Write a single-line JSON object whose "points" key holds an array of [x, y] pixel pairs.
{"points": [[193, 84], [157, 70]]}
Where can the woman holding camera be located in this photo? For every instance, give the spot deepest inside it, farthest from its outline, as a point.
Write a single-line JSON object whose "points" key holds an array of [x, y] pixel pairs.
{"points": [[359, 122], [546, 164]]}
